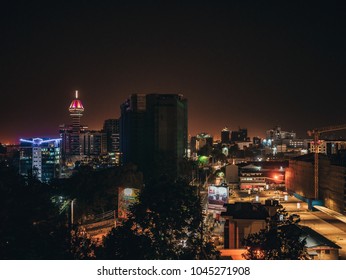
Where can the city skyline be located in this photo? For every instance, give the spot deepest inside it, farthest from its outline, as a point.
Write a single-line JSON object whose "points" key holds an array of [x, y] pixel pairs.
{"points": [[240, 64]]}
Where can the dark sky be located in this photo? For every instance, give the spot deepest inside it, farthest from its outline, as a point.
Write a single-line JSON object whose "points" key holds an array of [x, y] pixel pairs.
{"points": [[249, 64]]}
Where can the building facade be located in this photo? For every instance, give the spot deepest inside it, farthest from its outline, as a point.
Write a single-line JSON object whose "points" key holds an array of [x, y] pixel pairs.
{"points": [[153, 132], [240, 135], [199, 141], [40, 157], [299, 179], [78, 142], [225, 136], [111, 128]]}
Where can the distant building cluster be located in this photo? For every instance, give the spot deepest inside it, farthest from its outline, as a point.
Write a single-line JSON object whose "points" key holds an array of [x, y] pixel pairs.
{"points": [[151, 133]]}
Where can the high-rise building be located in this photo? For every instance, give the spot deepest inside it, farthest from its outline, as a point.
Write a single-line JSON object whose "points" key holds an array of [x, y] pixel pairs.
{"points": [[153, 132], [225, 133], [76, 112], [79, 143], [276, 134], [93, 143], [112, 129], [71, 148], [200, 140], [240, 135], [40, 157]]}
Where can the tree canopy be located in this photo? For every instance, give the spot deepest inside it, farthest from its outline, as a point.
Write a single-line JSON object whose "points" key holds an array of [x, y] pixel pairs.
{"points": [[31, 227], [281, 240], [165, 223]]}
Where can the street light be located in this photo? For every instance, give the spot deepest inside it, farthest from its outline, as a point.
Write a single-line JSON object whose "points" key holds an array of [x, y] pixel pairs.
{"points": [[72, 211]]}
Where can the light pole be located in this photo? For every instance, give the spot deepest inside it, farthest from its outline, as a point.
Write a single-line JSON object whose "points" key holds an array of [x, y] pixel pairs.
{"points": [[72, 212]]}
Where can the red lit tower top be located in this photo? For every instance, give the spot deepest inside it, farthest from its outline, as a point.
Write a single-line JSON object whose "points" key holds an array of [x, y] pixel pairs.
{"points": [[76, 108]]}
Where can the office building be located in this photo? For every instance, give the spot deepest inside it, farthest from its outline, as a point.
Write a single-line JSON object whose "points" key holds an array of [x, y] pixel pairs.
{"points": [[78, 142], [153, 132], [201, 140], [71, 134], [93, 143], [240, 135], [112, 129], [76, 112], [225, 136], [40, 157]]}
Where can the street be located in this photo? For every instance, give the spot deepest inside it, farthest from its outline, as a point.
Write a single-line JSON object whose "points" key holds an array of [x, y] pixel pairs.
{"points": [[328, 223]]}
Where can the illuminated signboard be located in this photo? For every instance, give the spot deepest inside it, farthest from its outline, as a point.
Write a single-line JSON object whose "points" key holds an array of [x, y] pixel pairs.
{"points": [[126, 197], [217, 196]]}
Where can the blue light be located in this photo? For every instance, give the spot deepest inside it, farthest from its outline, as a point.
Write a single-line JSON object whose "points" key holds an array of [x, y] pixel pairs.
{"points": [[39, 141]]}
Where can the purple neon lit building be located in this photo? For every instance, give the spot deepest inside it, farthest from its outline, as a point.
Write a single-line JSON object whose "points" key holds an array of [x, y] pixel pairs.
{"points": [[40, 157], [76, 112]]}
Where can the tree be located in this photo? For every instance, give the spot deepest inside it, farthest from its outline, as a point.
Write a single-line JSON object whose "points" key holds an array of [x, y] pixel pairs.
{"points": [[281, 240], [81, 246], [165, 223], [30, 225], [95, 191]]}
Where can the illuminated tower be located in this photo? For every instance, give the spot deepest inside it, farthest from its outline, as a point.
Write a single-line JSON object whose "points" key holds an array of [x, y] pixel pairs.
{"points": [[76, 112]]}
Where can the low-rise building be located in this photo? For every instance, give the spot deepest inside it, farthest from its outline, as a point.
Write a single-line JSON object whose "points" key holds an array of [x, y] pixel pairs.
{"points": [[332, 180]]}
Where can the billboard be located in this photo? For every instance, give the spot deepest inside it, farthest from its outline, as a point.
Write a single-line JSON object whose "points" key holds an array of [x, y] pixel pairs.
{"points": [[217, 196], [126, 196]]}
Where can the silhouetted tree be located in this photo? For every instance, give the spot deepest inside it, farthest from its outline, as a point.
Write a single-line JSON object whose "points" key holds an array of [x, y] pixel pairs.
{"points": [[2, 149], [95, 191], [30, 225], [281, 240], [81, 246], [166, 223]]}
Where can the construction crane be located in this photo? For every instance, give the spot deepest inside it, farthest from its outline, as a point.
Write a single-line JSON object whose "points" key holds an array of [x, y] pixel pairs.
{"points": [[315, 133]]}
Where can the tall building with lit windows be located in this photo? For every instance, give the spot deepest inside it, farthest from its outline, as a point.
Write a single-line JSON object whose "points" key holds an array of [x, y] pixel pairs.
{"points": [[153, 132], [40, 157], [78, 142], [111, 128], [71, 147], [76, 112]]}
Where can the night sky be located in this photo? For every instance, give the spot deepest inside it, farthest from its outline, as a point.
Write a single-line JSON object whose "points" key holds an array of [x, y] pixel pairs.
{"points": [[248, 64]]}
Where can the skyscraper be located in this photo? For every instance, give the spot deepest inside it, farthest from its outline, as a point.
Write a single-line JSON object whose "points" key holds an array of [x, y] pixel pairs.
{"points": [[225, 133], [76, 112], [112, 129], [72, 135], [153, 132], [240, 135], [79, 143]]}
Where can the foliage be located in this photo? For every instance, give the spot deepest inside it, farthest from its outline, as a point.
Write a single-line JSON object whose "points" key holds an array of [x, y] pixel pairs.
{"points": [[30, 225], [281, 240], [205, 150], [96, 191], [218, 155], [81, 246], [166, 223]]}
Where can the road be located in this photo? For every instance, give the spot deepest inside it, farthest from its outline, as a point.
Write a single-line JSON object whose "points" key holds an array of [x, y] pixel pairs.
{"points": [[329, 223]]}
